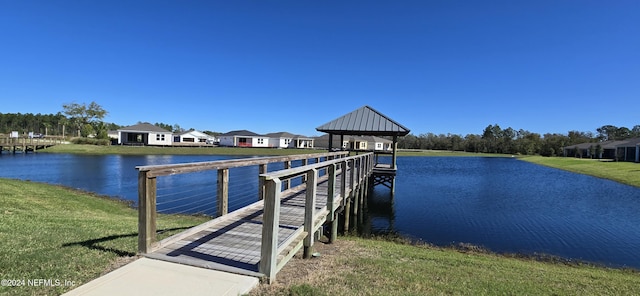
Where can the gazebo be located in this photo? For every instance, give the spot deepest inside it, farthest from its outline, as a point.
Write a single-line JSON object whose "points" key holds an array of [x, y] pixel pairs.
{"points": [[366, 121]]}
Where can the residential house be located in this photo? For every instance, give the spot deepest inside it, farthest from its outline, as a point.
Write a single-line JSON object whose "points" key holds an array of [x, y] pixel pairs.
{"points": [[624, 150], [288, 140], [243, 138], [629, 150], [113, 136], [193, 137], [323, 142], [302, 142], [362, 143], [144, 134], [380, 144]]}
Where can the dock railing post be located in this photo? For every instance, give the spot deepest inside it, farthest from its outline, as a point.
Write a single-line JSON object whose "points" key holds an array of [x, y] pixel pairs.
{"points": [[146, 212], [270, 226], [287, 183], [262, 169], [348, 197], [363, 174], [357, 163], [223, 192], [309, 211], [343, 181], [305, 161], [331, 194]]}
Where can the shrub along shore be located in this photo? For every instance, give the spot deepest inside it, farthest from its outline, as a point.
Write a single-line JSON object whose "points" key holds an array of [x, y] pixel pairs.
{"points": [[57, 233]]}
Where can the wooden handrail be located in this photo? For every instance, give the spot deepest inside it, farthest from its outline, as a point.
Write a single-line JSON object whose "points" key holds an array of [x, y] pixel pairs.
{"points": [[273, 191], [287, 173], [147, 186], [181, 168]]}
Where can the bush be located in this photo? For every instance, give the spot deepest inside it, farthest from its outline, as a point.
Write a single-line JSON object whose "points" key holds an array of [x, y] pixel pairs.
{"points": [[91, 141]]}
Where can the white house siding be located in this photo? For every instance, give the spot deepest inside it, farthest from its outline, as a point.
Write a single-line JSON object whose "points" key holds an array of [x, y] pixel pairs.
{"points": [[280, 142], [382, 146], [160, 138], [301, 143], [260, 142], [193, 137], [227, 141]]}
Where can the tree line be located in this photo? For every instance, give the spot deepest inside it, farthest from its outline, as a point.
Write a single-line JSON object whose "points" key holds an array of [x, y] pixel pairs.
{"points": [[84, 120], [75, 120], [494, 139]]}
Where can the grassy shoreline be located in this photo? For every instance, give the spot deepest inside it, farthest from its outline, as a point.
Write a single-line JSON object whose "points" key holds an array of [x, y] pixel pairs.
{"points": [[379, 266], [623, 172], [57, 233]]}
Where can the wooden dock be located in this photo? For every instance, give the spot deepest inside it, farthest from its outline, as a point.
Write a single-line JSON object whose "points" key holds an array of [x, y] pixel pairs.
{"points": [[259, 239], [26, 144]]}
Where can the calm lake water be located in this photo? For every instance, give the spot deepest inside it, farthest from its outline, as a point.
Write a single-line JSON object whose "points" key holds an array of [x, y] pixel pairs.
{"points": [[502, 204]]}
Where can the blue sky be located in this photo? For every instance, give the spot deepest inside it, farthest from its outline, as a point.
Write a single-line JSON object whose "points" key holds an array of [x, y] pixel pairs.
{"points": [[268, 66]]}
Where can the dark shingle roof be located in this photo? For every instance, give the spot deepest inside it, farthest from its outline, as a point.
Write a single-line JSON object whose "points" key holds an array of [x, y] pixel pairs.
{"points": [[280, 135], [144, 127], [239, 133], [364, 121]]}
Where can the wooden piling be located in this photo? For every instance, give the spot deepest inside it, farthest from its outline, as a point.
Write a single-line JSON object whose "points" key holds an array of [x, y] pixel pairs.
{"points": [[331, 192], [223, 192], [309, 211], [270, 225], [146, 212]]}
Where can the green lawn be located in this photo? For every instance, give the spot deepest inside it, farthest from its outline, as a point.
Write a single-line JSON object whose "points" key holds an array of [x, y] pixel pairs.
{"points": [[381, 267], [51, 232], [623, 172]]}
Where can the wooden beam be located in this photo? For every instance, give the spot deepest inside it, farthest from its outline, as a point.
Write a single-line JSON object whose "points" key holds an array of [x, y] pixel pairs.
{"points": [[172, 169], [262, 169], [287, 182], [146, 212], [331, 193], [223, 192], [270, 226], [309, 211], [395, 154]]}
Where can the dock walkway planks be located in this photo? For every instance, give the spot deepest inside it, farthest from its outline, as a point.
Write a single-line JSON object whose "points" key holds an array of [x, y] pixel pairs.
{"points": [[232, 243]]}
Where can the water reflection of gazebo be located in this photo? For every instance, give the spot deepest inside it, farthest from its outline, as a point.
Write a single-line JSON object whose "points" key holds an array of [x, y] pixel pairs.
{"points": [[366, 121]]}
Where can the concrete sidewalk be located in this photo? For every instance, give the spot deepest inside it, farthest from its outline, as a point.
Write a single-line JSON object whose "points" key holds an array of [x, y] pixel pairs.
{"points": [[155, 277]]}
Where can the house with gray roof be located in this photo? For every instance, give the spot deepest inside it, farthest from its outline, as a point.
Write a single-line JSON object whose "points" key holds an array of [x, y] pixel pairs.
{"points": [[289, 140], [361, 143], [243, 138], [144, 134], [623, 150]]}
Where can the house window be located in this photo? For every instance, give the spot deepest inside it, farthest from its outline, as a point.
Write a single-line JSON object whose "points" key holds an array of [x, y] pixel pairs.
{"points": [[287, 141], [378, 145], [260, 141], [160, 137]]}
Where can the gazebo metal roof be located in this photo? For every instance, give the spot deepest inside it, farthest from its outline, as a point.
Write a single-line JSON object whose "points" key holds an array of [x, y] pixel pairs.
{"points": [[364, 121]]}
